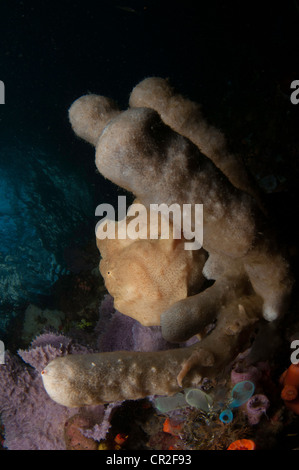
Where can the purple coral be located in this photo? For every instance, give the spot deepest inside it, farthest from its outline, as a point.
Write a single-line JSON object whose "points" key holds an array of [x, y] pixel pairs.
{"points": [[118, 332], [46, 347], [31, 419]]}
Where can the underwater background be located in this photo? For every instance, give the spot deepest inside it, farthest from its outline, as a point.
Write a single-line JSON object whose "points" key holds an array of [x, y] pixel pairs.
{"points": [[236, 59]]}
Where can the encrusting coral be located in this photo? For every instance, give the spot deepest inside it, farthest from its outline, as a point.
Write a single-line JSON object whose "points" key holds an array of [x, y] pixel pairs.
{"points": [[162, 150]]}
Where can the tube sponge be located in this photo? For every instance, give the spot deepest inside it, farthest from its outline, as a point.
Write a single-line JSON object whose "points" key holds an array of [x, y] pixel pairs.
{"points": [[93, 379], [90, 379], [186, 118], [90, 114], [256, 407], [151, 154], [176, 173], [162, 151]]}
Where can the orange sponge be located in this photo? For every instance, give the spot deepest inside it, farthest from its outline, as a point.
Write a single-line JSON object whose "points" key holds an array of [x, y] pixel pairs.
{"points": [[290, 382]]}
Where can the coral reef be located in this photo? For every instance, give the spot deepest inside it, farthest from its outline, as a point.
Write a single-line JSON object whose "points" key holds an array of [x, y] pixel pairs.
{"points": [[203, 427], [33, 421]]}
